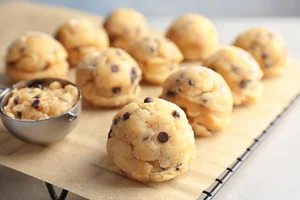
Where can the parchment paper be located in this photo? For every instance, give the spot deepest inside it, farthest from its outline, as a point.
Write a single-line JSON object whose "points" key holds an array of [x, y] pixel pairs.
{"points": [[79, 163]]}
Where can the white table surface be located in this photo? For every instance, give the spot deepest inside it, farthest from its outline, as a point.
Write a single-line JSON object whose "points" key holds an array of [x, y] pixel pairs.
{"points": [[271, 172]]}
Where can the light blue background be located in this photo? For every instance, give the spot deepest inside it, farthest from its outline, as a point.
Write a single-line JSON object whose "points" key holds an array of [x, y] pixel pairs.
{"points": [[210, 8]]}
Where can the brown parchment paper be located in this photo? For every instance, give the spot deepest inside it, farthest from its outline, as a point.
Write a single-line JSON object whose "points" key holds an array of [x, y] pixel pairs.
{"points": [[79, 163]]}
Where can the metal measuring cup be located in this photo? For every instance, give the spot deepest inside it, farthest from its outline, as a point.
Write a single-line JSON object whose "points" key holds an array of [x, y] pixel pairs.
{"points": [[43, 131]]}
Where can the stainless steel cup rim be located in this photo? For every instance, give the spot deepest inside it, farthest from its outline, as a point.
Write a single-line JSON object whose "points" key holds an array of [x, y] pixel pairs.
{"points": [[6, 91]]}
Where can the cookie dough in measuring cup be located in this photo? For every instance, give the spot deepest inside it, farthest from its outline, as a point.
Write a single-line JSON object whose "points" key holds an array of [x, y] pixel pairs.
{"points": [[40, 111]]}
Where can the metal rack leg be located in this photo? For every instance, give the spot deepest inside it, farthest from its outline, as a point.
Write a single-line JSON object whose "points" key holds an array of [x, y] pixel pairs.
{"points": [[63, 195]]}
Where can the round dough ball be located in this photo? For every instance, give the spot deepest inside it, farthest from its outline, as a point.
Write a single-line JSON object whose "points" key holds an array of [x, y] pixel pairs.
{"points": [[36, 55], [241, 72], [267, 47], [110, 78], [204, 96], [195, 36], [80, 37], [151, 141], [157, 56], [124, 26]]}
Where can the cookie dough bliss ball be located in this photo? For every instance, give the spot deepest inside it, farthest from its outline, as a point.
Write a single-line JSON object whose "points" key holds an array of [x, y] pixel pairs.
{"points": [[157, 56], [124, 26], [80, 37], [151, 141], [110, 78], [36, 55], [241, 72], [195, 36], [204, 96], [267, 47]]}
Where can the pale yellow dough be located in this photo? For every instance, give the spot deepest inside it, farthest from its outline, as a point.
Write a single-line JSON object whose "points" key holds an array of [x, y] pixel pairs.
{"points": [[37, 102], [157, 56], [151, 141], [124, 26], [195, 35], [204, 96], [36, 55], [267, 47], [241, 72], [110, 78], [80, 37]]}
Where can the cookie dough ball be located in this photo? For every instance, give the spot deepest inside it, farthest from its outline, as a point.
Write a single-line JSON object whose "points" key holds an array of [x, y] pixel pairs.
{"points": [[267, 47], [151, 141], [80, 37], [37, 102], [157, 56], [124, 26], [195, 36], [241, 72], [204, 96], [36, 55], [110, 78]]}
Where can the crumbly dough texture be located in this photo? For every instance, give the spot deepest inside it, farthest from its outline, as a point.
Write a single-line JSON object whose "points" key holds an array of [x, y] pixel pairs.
{"points": [[267, 47], [124, 26], [110, 78], [151, 141], [80, 37], [37, 102], [36, 55], [195, 36], [157, 56], [204, 96], [241, 72]]}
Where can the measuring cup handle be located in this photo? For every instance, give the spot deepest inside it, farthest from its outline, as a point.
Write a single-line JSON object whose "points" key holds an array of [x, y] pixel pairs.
{"points": [[71, 116]]}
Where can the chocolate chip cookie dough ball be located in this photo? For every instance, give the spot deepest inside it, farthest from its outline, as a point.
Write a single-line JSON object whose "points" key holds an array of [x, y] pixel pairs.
{"points": [[157, 56], [36, 55], [151, 141], [195, 36], [204, 96], [124, 26], [241, 72], [267, 47], [80, 37], [110, 78]]}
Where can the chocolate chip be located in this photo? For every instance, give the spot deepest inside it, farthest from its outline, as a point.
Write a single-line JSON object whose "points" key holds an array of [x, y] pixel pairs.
{"points": [[148, 100], [36, 103], [163, 169], [175, 114], [177, 168], [163, 137], [152, 50], [46, 66], [11, 63], [109, 134], [204, 101], [146, 138], [114, 68], [133, 75], [126, 116], [244, 83], [16, 100], [37, 96], [36, 84], [265, 55], [116, 90], [22, 50], [77, 48], [171, 93], [235, 68], [19, 114], [191, 82], [116, 120]]}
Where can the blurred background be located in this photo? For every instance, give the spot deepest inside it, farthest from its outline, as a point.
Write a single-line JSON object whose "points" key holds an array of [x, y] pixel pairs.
{"points": [[166, 8]]}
